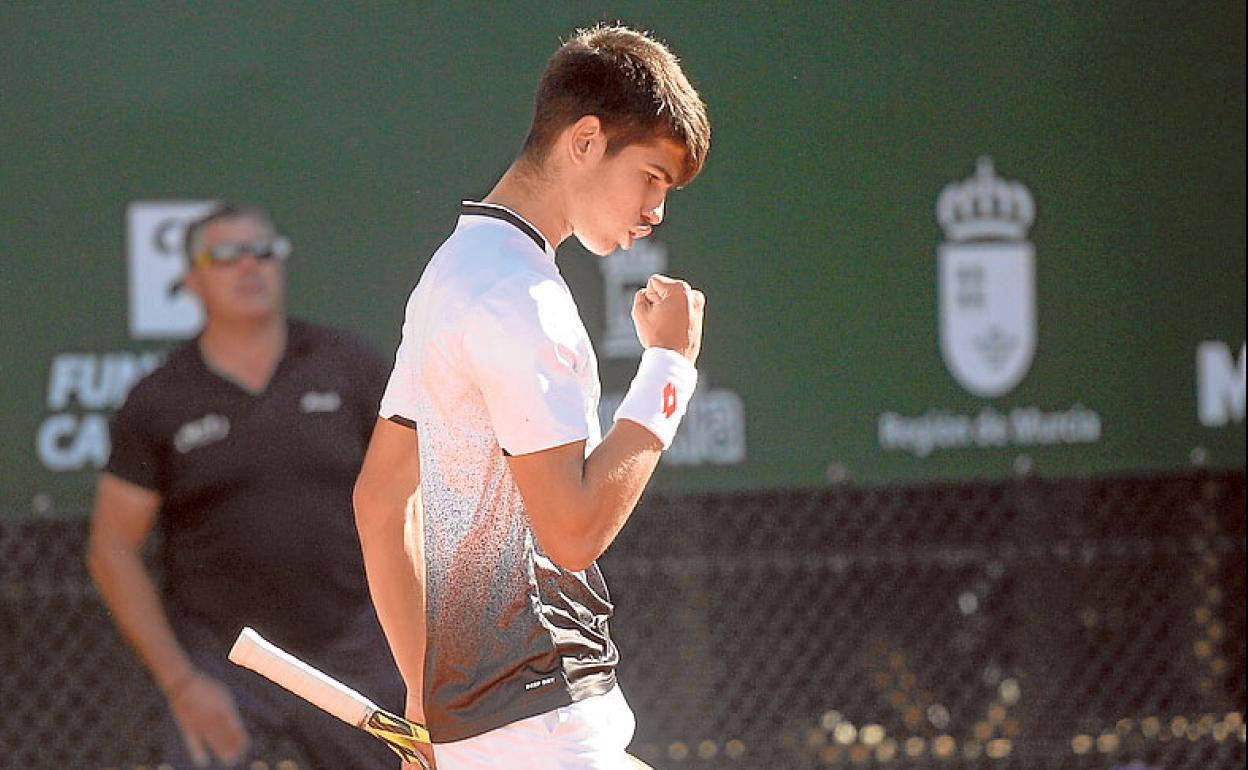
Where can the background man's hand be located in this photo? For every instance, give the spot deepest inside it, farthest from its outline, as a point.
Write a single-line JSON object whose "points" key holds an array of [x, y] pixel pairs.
{"points": [[208, 719]]}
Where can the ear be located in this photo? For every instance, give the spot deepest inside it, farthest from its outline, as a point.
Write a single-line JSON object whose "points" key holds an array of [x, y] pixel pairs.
{"points": [[586, 142]]}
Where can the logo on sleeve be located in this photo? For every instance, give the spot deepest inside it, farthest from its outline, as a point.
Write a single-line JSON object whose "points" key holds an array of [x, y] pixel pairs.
{"points": [[669, 400]]}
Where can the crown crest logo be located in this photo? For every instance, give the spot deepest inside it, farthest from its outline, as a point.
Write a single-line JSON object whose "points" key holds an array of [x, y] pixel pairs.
{"points": [[985, 207]]}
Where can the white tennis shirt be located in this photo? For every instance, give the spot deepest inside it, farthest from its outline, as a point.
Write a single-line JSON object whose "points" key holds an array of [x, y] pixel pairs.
{"points": [[495, 360]]}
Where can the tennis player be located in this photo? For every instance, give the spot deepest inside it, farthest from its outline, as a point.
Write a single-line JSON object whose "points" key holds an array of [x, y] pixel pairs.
{"points": [[488, 492]]}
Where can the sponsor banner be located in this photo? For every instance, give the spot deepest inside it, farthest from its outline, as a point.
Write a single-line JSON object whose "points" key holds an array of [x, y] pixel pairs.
{"points": [[929, 296]]}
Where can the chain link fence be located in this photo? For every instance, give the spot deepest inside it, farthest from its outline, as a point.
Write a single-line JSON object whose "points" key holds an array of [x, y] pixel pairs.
{"points": [[1086, 624]]}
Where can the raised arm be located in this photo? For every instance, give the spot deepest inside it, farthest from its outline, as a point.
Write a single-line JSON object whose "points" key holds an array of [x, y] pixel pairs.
{"points": [[390, 520], [577, 504]]}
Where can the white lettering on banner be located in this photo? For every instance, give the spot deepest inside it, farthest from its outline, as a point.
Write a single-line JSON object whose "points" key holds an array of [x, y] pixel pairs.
{"points": [[1219, 384], [712, 431], [69, 441], [96, 381], [1025, 426]]}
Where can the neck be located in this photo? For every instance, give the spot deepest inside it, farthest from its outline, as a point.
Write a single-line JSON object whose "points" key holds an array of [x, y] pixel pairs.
{"points": [[526, 191], [245, 351]]}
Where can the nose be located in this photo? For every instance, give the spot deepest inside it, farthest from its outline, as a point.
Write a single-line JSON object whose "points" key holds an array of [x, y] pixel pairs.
{"points": [[248, 259], [655, 215]]}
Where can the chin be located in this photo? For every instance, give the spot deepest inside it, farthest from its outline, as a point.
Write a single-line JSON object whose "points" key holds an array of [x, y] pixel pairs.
{"points": [[600, 247]]}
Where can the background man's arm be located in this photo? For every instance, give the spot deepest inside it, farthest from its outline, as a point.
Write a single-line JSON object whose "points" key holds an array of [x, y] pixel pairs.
{"points": [[123, 518]]}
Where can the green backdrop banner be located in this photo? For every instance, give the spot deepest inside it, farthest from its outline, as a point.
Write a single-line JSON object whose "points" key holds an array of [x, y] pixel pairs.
{"points": [[939, 240]]}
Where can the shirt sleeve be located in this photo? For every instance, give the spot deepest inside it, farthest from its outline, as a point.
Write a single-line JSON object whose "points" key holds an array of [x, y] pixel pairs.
{"points": [[135, 453], [398, 401], [524, 347]]}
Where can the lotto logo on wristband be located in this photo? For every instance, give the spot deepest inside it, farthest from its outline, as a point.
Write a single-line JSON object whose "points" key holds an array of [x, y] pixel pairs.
{"points": [[669, 400], [678, 378]]}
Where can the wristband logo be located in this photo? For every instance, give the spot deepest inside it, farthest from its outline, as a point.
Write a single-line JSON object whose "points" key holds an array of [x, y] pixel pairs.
{"points": [[669, 400]]}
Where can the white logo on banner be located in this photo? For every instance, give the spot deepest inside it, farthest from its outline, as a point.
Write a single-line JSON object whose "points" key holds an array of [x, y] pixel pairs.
{"points": [[987, 282], [713, 430], [154, 258]]}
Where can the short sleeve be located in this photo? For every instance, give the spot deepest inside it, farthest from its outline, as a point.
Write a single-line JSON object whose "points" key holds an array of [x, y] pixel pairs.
{"points": [[525, 347], [135, 454], [398, 401]]}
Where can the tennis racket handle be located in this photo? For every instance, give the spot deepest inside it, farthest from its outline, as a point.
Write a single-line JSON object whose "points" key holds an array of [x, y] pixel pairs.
{"points": [[253, 651]]}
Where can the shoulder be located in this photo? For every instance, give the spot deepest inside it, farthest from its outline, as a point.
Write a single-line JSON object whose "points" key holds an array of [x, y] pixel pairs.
{"points": [[526, 294], [163, 393], [528, 309], [307, 334], [333, 347], [487, 256], [172, 376], [330, 340]]}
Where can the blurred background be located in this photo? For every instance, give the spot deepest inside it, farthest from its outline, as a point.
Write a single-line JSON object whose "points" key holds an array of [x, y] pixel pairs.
{"points": [[963, 483]]}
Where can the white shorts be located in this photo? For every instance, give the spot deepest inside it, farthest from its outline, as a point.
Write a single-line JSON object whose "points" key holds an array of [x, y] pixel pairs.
{"points": [[588, 735]]}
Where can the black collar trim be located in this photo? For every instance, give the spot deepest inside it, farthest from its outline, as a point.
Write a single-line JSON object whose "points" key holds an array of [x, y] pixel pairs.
{"points": [[507, 215]]}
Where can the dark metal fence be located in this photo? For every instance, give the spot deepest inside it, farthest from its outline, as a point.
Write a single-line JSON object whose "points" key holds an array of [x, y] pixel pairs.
{"points": [[1087, 624]]}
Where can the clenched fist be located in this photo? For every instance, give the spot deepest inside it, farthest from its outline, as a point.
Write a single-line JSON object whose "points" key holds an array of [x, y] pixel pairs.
{"points": [[668, 314]]}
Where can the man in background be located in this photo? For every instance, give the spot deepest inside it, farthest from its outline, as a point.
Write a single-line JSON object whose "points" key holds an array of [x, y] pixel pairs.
{"points": [[241, 451]]}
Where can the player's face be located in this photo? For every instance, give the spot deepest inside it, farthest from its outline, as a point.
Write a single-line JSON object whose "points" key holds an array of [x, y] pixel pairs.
{"points": [[247, 287], [624, 195]]}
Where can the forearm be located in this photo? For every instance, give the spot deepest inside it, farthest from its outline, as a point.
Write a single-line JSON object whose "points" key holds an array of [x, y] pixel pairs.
{"points": [[615, 473], [131, 596], [583, 508], [392, 538]]}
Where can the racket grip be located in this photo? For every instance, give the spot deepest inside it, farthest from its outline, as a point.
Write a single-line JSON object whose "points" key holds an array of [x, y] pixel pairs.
{"points": [[253, 651]]}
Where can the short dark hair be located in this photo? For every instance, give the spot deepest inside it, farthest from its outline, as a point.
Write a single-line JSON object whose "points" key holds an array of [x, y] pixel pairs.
{"points": [[223, 210], [632, 83]]}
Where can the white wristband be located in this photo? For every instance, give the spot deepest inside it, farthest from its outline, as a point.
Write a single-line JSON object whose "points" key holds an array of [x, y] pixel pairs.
{"points": [[660, 393]]}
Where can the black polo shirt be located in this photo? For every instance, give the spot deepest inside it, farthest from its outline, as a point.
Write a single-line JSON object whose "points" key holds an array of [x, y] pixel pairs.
{"points": [[256, 519]]}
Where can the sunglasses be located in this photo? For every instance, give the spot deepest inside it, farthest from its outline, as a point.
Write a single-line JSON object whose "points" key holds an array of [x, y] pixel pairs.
{"points": [[228, 252]]}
